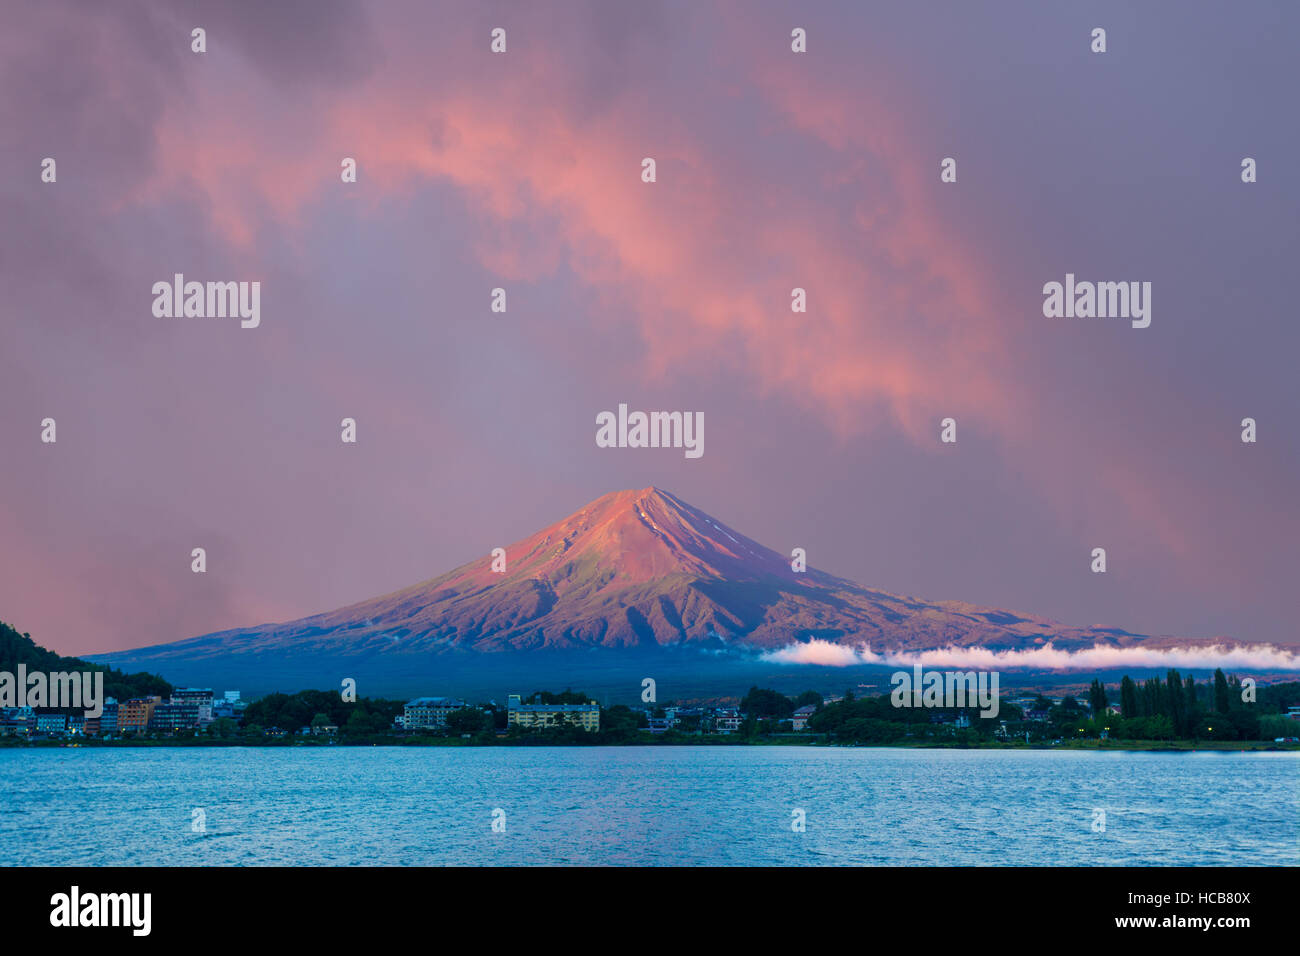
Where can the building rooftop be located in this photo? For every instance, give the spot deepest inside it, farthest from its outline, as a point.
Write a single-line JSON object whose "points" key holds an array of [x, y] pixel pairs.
{"points": [[566, 708], [435, 702]]}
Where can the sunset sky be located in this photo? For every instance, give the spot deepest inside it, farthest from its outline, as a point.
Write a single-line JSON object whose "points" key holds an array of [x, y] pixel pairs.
{"points": [[522, 171]]}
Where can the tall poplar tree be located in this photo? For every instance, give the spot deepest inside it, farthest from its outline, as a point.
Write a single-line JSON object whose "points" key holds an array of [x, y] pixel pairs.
{"points": [[1222, 700], [1097, 698], [1128, 698]]}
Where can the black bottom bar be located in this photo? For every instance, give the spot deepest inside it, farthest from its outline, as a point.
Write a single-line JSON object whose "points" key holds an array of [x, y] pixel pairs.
{"points": [[564, 906]]}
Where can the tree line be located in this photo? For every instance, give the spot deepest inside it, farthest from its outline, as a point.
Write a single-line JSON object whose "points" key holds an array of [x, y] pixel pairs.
{"points": [[1175, 707]]}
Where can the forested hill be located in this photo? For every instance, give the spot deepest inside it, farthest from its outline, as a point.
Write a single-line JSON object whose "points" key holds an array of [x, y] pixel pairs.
{"points": [[18, 649]]}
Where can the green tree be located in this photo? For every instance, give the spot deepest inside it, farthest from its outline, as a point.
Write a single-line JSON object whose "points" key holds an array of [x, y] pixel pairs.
{"points": [[1272, 726], [466, 720], [1174, 695], [689, 724], [620, 723], [1128, 698], [1158, 727], [1216, 727], [1153, 698], [1097, 698], [1191, 706], [223, 727], [1222, 700], [762, 702], [1246, 723], [806, 698]]}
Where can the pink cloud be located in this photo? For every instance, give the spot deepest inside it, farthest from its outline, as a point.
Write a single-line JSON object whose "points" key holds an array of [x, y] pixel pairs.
{"points": [[904, 326]]}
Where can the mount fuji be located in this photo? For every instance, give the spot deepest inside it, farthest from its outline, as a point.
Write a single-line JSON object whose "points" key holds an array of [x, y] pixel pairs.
{"points": [[635, 581]]}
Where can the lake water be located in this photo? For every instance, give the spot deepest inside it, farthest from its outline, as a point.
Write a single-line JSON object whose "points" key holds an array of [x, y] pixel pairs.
{"points": [[645, 805]]}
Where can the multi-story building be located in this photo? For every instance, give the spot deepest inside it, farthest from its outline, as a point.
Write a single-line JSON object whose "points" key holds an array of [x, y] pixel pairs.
{"points": [[135, 714], [171, 717], [800, 719], [519, 714], [51, 723], [660, 725], [726, 720], [108, 719], [429, 713], [229, 706], [197, 697], [17, 721]]}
